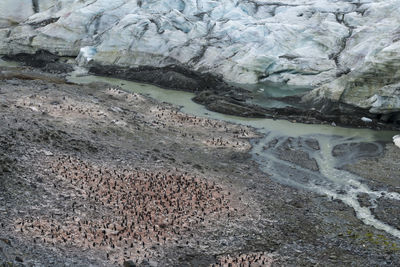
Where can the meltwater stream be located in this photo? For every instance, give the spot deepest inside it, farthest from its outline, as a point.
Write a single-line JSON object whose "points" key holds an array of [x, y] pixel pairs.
{"points": [[280, 135]]}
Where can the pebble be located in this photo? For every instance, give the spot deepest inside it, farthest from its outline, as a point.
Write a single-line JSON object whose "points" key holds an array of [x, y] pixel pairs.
{"points": [[47, 153]]}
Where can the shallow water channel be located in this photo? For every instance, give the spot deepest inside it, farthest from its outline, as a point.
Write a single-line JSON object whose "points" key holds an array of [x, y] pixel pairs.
{"points": [[326, 179]]}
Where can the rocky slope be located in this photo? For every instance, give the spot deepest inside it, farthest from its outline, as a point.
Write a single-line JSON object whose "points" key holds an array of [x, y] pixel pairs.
{"points": [[96, 176], [348, 49]]}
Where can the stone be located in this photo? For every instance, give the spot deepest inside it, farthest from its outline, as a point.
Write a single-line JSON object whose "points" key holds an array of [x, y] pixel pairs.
{"points": [[47, 153]]}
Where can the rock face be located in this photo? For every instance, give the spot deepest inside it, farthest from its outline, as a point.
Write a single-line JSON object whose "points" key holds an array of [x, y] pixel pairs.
{"points": [[348, 49]]}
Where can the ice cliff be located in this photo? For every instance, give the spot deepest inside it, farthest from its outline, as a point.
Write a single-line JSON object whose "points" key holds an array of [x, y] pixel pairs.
{"points": [[348, 49]]}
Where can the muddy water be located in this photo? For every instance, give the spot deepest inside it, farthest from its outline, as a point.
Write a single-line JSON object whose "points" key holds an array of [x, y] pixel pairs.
{"points": [[265, 93], [8, 63], [327, 179]]}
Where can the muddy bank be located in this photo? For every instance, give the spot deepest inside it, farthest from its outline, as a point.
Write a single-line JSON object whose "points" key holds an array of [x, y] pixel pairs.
{"points": [[381, 173], [69, 150], [217, 95]]}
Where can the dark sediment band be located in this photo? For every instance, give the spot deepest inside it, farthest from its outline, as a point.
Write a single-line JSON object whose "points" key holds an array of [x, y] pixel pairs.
{"points": [[217, 95]]}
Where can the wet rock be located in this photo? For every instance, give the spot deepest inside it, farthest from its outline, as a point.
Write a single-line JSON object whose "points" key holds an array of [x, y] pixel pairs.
{"points": [[386, 211], [230, 108], [353, 151], [232, 102], [39, 59], [58, 67], [364, 200], [312, 143], [129, 264], [381, 173], [174, 77], [291, 150]]}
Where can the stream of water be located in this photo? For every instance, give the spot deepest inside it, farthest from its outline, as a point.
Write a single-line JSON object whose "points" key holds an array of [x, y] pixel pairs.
{"points": [[8, 63], [329, 180]]}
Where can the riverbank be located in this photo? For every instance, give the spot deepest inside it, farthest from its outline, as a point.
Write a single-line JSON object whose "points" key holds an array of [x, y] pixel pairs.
{"points": [[93, 175], [219, 96]]}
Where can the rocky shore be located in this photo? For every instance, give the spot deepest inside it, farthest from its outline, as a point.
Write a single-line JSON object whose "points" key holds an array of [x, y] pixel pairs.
{"points": [[217, 95], [95, 176]]}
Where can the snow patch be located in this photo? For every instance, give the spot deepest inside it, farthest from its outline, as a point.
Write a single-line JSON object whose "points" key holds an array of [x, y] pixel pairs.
{"points": [[86, 54], [396, 140]]}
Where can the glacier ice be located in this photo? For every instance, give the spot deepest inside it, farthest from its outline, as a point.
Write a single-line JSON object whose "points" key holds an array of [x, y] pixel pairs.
{"points": [[348, 49]]}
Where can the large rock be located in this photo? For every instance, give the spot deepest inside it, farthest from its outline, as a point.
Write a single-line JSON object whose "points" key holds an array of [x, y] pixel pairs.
{"points": [[348, 49]]}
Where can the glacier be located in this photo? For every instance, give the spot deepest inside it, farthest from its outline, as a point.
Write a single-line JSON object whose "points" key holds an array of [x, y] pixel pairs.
{"points": [[348, 50]]}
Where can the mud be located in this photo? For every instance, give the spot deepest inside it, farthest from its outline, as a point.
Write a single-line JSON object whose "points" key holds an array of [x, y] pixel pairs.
{"points": [[93, 175], [219, 96], [382, 173], [295, 153], [379, 172]]}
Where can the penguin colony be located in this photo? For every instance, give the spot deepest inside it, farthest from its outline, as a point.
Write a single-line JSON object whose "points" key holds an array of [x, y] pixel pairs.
{"points": [[159, 117], [233, 138], [131, 214], [257, 259], [145, 209], [76, 110]]}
